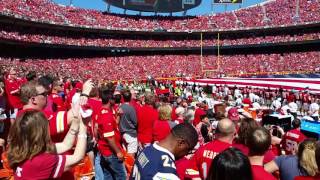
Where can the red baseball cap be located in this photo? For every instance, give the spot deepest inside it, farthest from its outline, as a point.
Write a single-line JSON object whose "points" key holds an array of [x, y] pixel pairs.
{"points": [[233, 114]]}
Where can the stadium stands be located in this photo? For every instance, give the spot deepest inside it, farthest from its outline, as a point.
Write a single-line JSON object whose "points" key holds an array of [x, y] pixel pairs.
{"points": [[50, 36], [139, 67], [268, 14]]}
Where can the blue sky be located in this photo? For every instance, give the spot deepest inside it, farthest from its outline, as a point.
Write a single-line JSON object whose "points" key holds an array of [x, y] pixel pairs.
{"points": [[204, 8]]}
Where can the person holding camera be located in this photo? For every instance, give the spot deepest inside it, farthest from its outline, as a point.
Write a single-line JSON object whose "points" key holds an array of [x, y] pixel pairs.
{"points": [[293, 138]]}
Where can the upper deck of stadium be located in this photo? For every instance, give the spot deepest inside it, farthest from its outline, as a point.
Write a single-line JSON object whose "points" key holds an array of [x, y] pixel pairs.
{"points": [[270, 14]]}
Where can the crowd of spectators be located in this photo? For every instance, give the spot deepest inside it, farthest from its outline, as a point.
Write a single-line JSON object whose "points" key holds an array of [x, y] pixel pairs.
{"points": [[50, 36], [114, 68], [165, 66], [121, 130], [270, 13]]}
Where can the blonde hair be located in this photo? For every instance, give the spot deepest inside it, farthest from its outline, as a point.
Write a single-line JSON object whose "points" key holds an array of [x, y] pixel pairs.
{"points": [[306, 155], [165, 111]]}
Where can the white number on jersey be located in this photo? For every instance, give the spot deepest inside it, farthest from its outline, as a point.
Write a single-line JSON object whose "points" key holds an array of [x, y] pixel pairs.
{"points": [[166, 161]]}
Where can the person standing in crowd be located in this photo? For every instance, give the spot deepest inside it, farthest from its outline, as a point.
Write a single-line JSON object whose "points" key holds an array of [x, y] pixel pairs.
{"points": [[276, 104], [293, 138], [246, 127], [110, 157], [314, 109], [128, 124], [12, 89], [202, 159], [180, 111], [58, 103], [163, 126], [258, 142], [230, 164], [157, 161], [204, 130], [31, 153], [306, 101], [199, 111], [147, 116], [317, 176], [293, 108], [47, 82], [301, 164], [34, 97]]}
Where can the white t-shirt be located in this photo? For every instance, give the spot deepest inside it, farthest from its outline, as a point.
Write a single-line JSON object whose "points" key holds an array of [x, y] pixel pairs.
{"points": [[314, 109], [293, 107]]}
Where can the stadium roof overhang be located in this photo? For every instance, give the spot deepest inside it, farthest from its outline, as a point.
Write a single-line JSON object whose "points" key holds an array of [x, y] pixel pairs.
{"points": [[159, 6]]}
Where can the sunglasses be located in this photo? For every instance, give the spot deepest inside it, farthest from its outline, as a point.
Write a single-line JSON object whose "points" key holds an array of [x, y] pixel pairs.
{"points": [[44, 94]]}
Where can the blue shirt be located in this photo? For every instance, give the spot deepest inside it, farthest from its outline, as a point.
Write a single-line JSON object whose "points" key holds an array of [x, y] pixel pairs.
{"points": [[154, 162], [289, 167]]}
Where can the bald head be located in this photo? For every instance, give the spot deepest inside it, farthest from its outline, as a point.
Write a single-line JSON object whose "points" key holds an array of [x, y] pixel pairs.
{"points": [[226, 127]]}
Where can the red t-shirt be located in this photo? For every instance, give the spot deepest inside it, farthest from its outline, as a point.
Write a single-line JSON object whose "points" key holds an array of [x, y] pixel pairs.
{"points": [[107, 128], [147, 115], [135, 105], [199, 112], [268, 156], [259, 173], [13, 99], [201, 161], [42, 166], [161, 129], [291, 140]]}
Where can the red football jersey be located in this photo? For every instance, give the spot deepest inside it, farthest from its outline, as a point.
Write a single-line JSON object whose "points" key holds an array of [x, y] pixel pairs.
{"points": [[58, 124], [107, 128], [201, 161], [42, 166], [291, 140]]}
